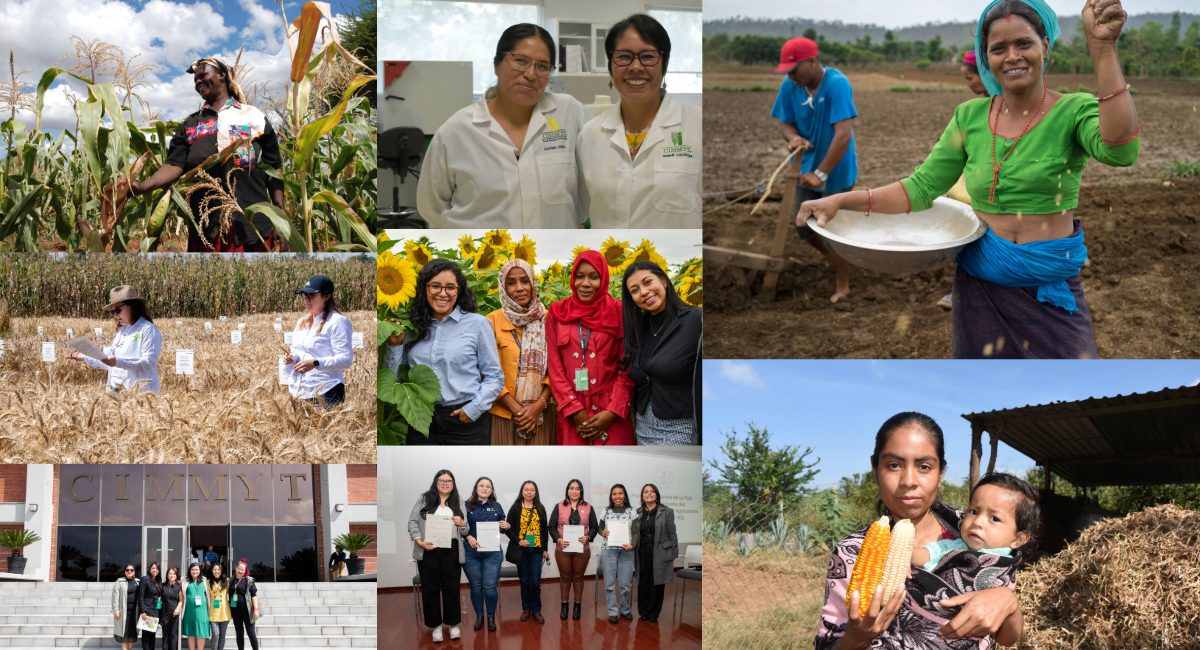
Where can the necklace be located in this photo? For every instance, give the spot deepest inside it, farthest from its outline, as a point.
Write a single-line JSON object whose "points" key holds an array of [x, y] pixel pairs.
{"points": [[996, 167], [664, 326]]}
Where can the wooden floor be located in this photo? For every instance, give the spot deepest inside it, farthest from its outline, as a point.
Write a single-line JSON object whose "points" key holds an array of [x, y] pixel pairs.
{"points": [[677, 629]]}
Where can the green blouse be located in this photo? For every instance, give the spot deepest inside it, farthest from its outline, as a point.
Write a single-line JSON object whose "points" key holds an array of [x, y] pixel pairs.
{"points": [[1041, 177]]}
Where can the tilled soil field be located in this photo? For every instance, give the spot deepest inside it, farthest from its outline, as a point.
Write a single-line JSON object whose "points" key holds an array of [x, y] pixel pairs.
{"points": [[1142, 231]]}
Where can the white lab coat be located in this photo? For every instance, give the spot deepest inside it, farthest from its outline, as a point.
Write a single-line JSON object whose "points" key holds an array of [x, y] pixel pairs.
{"points": [[472, 177], [331, 346], [136, 348], [658, 189]]}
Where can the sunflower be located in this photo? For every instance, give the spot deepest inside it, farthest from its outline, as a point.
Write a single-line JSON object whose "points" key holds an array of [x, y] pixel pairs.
{"points": [[645, 252], [692, 267], [467, 246], [555, 270], [498, 238], [417, 253], [526, 249], [692, 291], [576, 252], [395, 280], [614, 253], [489, 258]]}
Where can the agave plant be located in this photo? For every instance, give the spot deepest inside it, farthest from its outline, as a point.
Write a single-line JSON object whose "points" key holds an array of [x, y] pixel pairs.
{"points": [[779, 531]]}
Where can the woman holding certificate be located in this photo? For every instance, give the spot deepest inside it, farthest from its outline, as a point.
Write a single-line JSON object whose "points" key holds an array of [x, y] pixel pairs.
{"points": [[485, 520], [436, 527], [616, 552], [584, 334], [527, 527], [149, 596], [571, 537], [136, 348], [657, 548], [124, 608]]}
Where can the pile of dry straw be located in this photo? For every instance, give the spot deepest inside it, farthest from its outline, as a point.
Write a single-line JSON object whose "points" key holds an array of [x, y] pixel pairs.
{"points": [[1130, 583]]}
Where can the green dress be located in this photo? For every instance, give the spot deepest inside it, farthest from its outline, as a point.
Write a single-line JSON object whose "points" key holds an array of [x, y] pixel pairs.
{"points": [[195, 617]]}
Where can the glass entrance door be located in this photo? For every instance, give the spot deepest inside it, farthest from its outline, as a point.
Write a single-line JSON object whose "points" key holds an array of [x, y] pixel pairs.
{"points": [[164, 545]]}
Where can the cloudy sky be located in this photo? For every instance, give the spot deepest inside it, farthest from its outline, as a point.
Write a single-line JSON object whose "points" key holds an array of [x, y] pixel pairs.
{"points": [[170, 35], [888, 13]]}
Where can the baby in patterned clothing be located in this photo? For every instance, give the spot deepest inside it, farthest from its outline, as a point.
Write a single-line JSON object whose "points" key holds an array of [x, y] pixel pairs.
{"points": [[999, 525]]}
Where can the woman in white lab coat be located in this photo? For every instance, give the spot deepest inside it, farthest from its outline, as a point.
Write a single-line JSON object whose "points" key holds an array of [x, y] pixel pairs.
{"points": [[133, 357], [321, 347], [640, 160], [508, 160]]}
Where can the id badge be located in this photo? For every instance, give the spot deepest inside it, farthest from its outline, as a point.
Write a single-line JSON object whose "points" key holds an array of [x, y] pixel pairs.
{"points": [[216, 603], [581, 379], [233, 601], [158, 603], [198, 601]]}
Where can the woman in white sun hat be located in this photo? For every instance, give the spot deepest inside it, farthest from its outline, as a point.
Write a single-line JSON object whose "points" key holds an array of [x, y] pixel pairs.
{"points": [[133, 356]]}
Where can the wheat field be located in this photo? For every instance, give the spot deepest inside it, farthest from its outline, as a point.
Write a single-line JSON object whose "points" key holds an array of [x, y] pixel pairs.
{"points": [[232, 410]]}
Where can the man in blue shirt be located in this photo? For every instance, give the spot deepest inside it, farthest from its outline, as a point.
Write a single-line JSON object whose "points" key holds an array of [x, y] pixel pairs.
{"points": [[815, 107]]}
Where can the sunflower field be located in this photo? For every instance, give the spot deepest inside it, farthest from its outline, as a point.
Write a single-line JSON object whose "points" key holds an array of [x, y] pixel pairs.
{"points": [[406, 400]]}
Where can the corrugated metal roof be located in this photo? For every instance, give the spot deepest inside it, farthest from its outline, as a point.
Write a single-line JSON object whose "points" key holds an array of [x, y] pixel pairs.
{"points": [[1137, 439]]}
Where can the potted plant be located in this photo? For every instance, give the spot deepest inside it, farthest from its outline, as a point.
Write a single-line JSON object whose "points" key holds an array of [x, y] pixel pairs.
{"points": [[17, 539], [353, 543]]}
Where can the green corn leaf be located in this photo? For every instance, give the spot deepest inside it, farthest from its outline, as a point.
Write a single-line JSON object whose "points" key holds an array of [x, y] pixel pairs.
{"points": [[281, 222], [47, 80], [89, 133]]}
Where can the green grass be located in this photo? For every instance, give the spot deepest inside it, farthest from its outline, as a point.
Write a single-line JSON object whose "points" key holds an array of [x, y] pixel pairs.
{"points": [[1182, 168]]}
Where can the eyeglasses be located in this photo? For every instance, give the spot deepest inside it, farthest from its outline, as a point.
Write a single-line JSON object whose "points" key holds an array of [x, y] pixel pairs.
{"points": [[449, 289], [521, 63], [443, 481], [649, 58]]}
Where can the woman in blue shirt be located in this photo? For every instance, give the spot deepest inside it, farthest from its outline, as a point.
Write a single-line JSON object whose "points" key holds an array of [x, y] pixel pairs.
{"points": [[458, 345], [482, 564]]}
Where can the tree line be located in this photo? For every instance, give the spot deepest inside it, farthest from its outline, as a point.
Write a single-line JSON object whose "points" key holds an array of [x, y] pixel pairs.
{"points": [[1153, 50]]}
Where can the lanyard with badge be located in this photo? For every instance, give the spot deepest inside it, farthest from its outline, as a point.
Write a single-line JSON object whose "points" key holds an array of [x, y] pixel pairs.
{"points": [[581, 373], [198, 603], [233, 599]]}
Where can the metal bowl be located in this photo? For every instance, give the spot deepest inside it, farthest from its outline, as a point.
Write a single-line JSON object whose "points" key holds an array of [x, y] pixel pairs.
{"points": [[903, 243]]}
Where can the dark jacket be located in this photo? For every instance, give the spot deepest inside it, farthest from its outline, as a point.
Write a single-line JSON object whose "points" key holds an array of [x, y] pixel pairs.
{"points": [[514, 527], [170, 596], [666, 547], [148, 593], [672, 370], [245, 590]]}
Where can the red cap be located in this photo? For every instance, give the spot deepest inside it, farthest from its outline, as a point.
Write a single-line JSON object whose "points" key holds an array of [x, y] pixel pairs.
{"points": [[795, 51], [969, 58]]}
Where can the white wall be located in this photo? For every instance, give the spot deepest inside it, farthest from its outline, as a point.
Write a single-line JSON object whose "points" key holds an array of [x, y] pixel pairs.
{"points": [[603, 12], [407, 472], [39, 489]]}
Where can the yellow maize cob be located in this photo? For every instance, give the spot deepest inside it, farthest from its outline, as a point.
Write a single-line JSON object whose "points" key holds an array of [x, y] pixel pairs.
{"points": [[899, 558], [868, 569]]}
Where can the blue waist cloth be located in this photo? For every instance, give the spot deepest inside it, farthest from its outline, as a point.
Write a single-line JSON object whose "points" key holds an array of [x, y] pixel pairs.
{"points": [[1043, 264]]}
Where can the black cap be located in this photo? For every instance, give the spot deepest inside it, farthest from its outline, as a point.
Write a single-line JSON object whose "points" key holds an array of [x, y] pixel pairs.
{"points": [[317, 284]]}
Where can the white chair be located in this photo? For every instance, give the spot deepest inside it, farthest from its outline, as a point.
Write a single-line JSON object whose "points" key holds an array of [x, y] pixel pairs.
{"points": [[694, 556]]}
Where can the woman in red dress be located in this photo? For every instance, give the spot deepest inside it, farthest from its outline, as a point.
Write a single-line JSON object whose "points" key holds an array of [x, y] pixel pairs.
{"points": [[585, 346]]}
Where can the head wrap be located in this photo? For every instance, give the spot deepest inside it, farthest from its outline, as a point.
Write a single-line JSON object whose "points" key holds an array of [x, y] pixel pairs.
{"points": [[603, 313], [969, 58], [531, 320], [234, 89], [1049, 21]]}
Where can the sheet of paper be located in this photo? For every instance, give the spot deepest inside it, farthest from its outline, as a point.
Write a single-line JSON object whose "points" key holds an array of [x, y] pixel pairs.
{"points": [[70, 333], [235, 337], [618, 531], [489, 535], [288, 337], [572, 535], [185, 362], [356, 339], [278, 327], [439, 530], [285, 372], [208, 325], [87, 348], [48, 352]]}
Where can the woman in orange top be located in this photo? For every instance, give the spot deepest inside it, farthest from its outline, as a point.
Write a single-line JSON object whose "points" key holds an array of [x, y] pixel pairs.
{"points": [[585, 341], [523, 412]]}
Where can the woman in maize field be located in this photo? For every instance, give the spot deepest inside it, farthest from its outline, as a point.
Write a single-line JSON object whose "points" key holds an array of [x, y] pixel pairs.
{"points": [[216, 205], [908, 463], [136, 347], [1017, 290]]}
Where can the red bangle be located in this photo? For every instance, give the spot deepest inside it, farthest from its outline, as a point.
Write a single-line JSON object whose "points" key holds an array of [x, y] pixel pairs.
{"points": [[906, 196], [1114, 94], [870, 203]]}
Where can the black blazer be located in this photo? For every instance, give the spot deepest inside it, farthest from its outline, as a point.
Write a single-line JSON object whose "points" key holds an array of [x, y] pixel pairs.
{"points": [[514, 527], [672, 372], [170, 596], [147, 597]]}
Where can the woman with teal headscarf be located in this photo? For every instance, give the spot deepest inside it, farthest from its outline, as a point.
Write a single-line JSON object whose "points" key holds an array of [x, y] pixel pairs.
{"points": [[1017, 290]]}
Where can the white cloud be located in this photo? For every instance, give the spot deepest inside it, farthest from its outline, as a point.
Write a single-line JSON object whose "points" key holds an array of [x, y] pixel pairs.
{"points": [[740, 372], [265, 28], [1195, 383], [708, 394]]}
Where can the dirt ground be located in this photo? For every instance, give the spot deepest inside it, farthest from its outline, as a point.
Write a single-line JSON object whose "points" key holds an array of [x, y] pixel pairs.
{"points": [[1142, 233], [756, 605]]}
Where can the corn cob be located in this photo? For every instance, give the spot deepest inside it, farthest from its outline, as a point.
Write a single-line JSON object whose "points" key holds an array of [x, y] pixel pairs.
{"points": [[899, 558], [868, 570]]}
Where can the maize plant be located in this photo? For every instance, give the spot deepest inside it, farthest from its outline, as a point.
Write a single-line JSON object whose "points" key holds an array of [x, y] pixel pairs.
{"points": [[73, 196]]}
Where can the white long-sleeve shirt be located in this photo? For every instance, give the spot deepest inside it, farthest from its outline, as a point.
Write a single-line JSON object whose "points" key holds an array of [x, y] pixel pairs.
{"points": [[331, 346], [136, 348]]}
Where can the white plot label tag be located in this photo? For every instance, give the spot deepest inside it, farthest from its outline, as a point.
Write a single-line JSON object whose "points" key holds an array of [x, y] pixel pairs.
{"points": [[99, 331], [222, 318], [278, 327], [288, 337], [39, 330], [48, 352], [185, 362], [70, 333], [235, 337], [241, 326], [178, 323], [278, 320], [208, 325], [356, 339]]}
